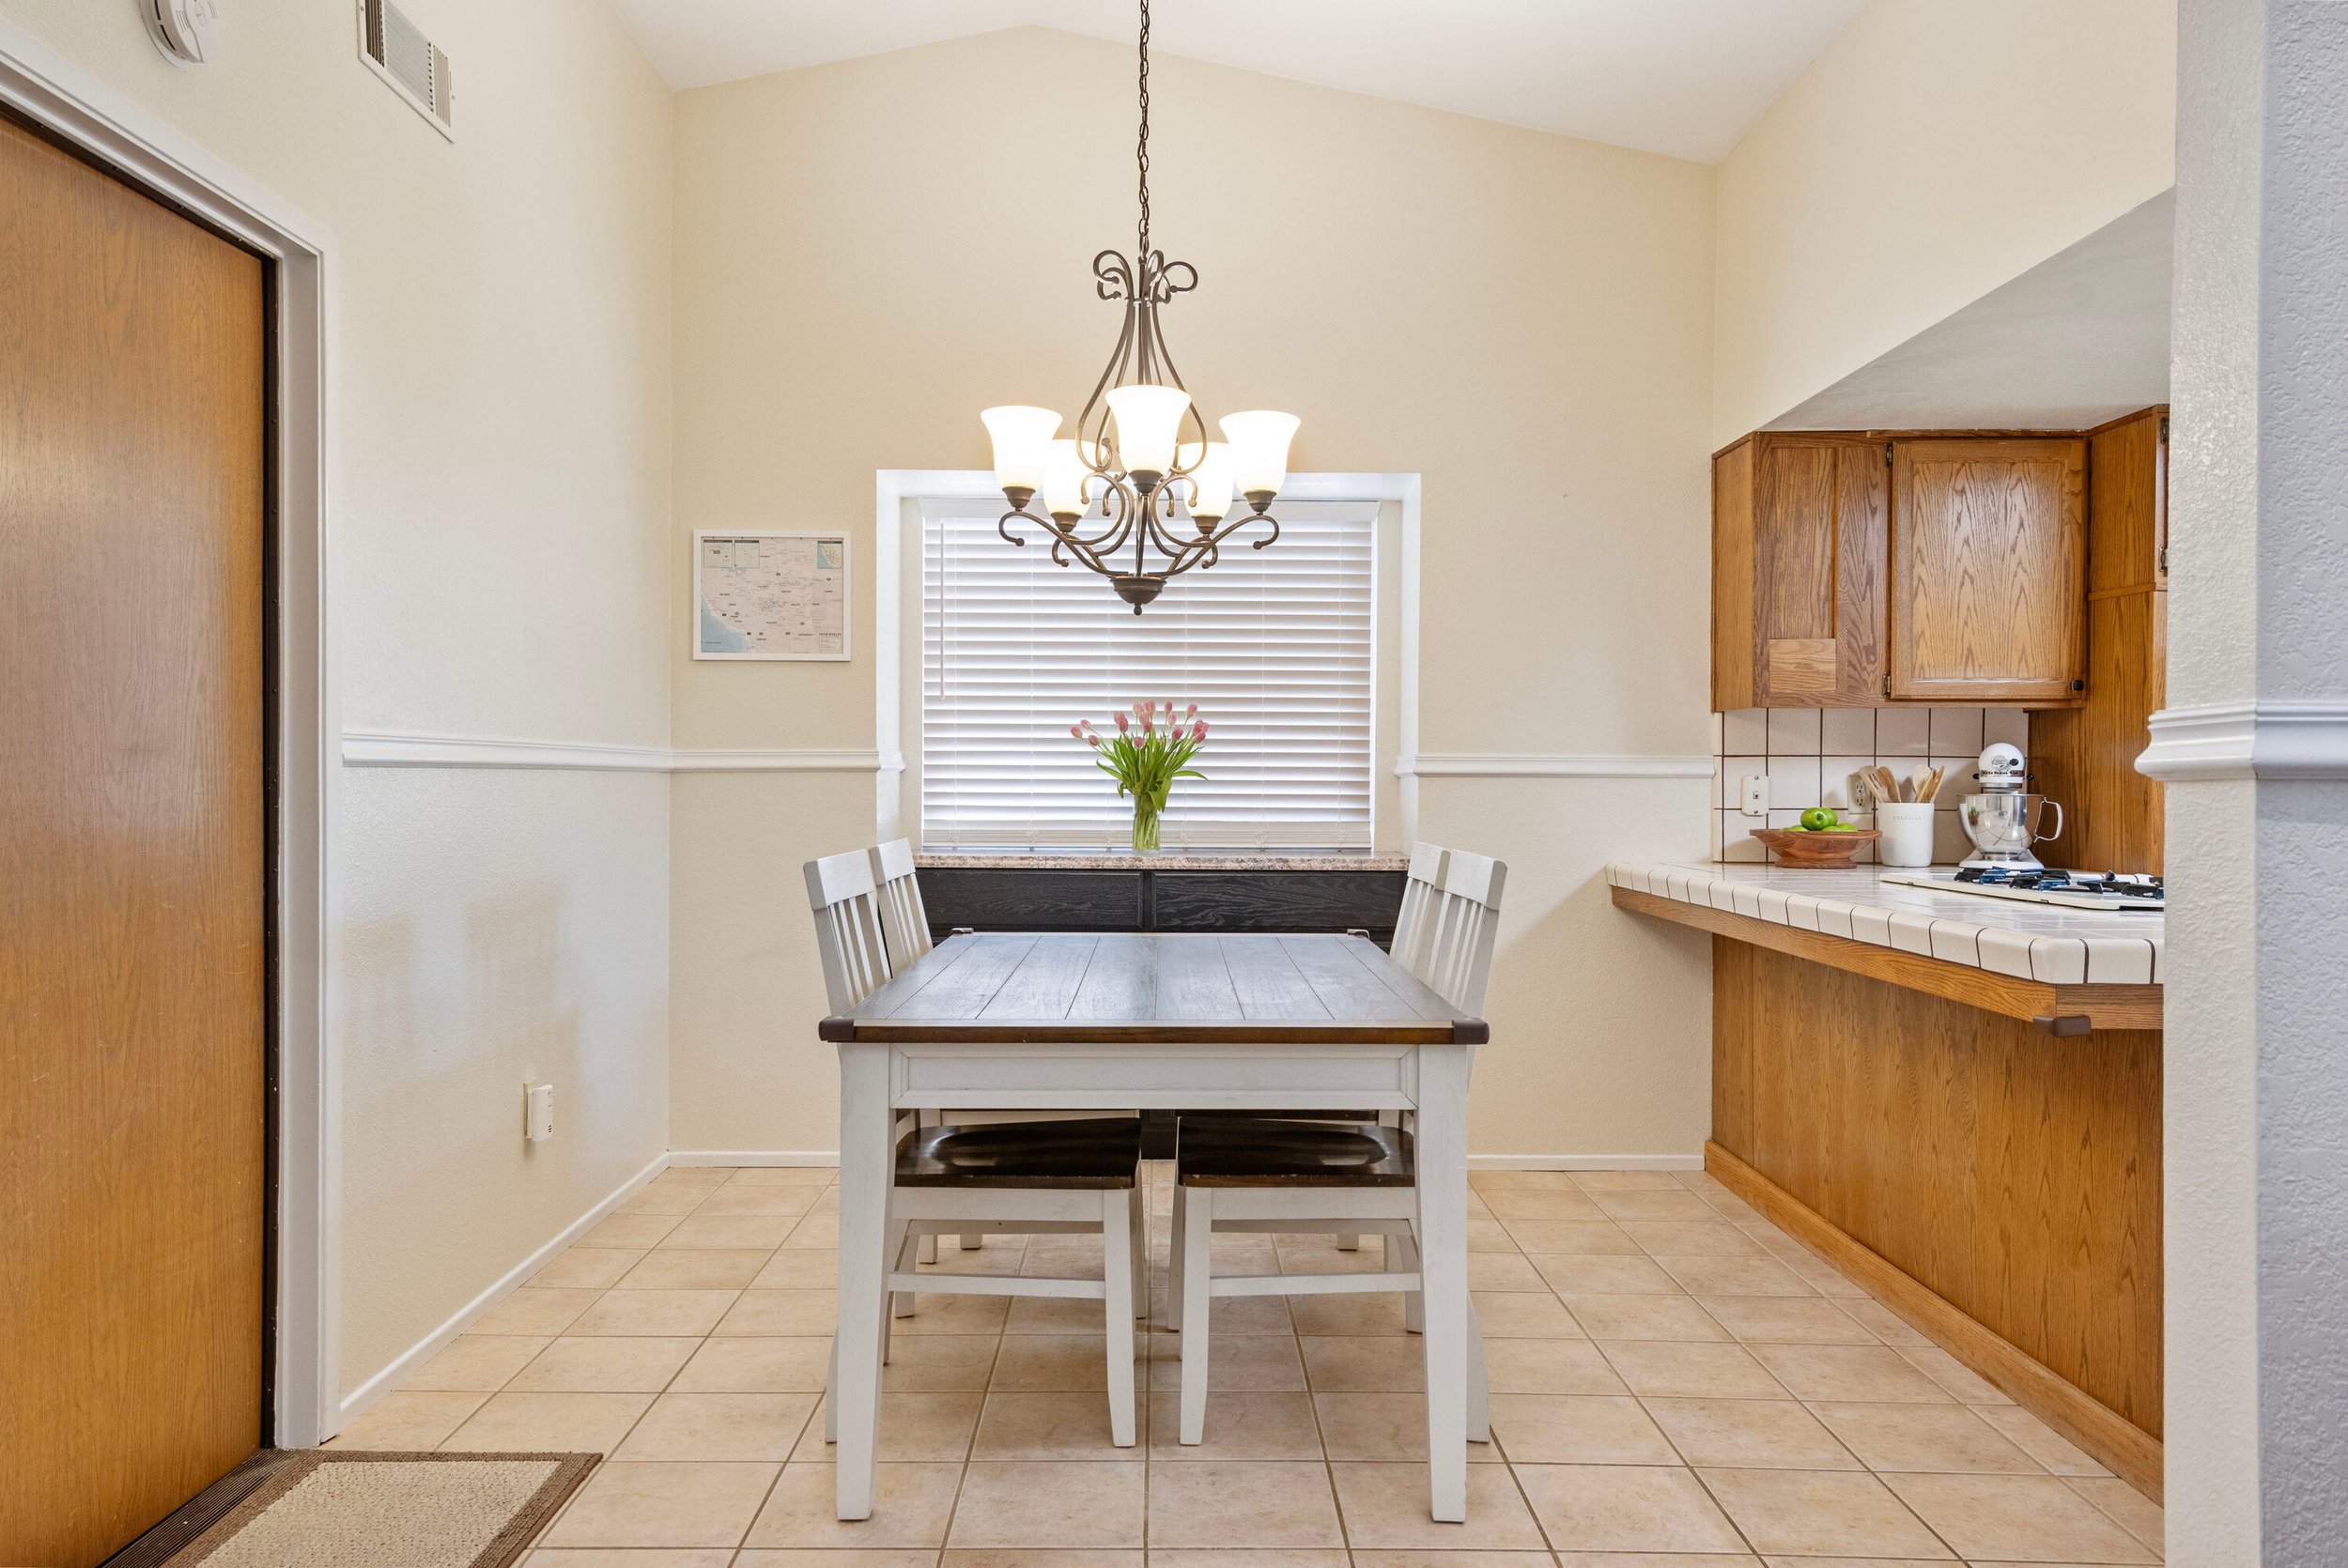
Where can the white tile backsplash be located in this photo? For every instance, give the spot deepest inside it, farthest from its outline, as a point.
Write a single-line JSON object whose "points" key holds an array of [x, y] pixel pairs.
{"points": [[1956, 731], [1793, 782], [2010, 724], [1847, 732], [1903, 731], [1733, 771], [1794, 731], [1837, 785], [1808, 755]]}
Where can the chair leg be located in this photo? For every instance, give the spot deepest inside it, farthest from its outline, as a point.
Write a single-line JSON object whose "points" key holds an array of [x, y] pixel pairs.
{"points": [[1138, 1218], [929, 1243], [831, 1395], [1479, 1390], [902, 1303], [1117, 1289], [1174, 1252], [1402, 1253], [1197, 1271]]}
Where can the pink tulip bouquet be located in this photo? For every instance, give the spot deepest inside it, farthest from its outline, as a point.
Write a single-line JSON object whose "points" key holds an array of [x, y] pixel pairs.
{"points": [[1150, 749]]}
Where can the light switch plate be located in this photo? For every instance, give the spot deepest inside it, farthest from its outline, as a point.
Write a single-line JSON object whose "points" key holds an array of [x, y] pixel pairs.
{"points": [[1754, 792]]}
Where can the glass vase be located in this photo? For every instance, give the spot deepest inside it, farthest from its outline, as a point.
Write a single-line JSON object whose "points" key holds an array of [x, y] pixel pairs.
{"points": [[1145, 826]]}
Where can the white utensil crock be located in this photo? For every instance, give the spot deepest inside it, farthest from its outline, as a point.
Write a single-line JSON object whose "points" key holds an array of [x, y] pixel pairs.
{"points": [[1906, 829]]}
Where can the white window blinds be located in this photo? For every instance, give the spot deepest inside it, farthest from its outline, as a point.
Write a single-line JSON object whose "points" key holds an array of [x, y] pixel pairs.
{"points": [[1274, 645]]}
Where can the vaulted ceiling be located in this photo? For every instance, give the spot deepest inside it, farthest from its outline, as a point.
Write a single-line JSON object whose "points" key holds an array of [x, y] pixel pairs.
{"points": [[1684, 77]]}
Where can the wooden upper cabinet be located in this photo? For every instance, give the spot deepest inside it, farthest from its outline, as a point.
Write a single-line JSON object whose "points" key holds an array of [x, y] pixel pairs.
{"points": [[1798, 530], [1989, 573]]}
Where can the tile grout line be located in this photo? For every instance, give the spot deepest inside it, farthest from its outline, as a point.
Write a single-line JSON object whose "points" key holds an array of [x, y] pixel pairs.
{"points": [[1866, 1469]]}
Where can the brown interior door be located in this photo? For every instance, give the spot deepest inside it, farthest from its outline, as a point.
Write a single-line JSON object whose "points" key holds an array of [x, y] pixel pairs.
{"points": [[133, 859], [1988, 570]]}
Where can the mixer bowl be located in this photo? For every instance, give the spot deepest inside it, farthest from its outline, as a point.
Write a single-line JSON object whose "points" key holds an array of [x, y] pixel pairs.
{"points": [[2004, 823]]}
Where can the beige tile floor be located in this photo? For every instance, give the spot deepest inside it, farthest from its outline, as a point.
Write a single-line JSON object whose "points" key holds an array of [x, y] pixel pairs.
{"points": [[1676, 1384]]}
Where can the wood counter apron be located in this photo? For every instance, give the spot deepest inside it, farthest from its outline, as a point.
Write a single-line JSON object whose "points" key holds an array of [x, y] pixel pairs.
{"points": [[1997, 1184]]}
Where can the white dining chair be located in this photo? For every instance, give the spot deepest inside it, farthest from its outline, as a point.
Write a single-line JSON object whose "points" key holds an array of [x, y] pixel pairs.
{"points": [[1245, 1175], [1029, 1176], [904, 923]]}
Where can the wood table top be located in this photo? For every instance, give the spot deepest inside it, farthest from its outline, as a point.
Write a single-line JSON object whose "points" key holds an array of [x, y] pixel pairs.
{"points": [[1140, 988]]}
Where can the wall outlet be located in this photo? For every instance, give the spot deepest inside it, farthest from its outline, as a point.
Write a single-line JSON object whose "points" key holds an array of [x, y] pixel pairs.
{"points": [[1754, 788], [537, 1112]]}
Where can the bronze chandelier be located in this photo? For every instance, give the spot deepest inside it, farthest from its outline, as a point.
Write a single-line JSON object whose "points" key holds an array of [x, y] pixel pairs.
{"points": [[1140, 462]]}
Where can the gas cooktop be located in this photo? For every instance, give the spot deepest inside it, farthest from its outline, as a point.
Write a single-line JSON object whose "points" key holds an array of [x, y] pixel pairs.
{"points": [[2044, 886]]}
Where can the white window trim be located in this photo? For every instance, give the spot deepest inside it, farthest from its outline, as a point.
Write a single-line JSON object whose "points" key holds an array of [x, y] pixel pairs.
{"points": [[897, 633]]}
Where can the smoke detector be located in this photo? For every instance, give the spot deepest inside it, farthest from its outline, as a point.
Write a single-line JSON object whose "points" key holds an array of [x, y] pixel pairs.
{"points": [[186, 31]]}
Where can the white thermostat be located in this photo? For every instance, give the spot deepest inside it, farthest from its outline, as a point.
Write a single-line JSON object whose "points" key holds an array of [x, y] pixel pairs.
{"points": [[186, 31]]}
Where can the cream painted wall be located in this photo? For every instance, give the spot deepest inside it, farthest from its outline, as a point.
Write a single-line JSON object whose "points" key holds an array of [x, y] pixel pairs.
{"points": [[502, 504], [869, 252], [1932, 152]]}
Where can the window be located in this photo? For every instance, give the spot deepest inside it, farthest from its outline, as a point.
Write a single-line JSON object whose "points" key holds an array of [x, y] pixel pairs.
{"points": [[1274, 645]]}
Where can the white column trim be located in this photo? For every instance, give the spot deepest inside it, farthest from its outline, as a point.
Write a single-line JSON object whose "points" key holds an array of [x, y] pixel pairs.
{"points": [[388, 749], [2249, 739], [1478, 765]]}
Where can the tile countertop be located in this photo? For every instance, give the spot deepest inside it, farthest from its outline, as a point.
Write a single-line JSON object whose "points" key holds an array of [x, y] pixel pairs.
{"points": [[2048, 943], [1126, 860]]}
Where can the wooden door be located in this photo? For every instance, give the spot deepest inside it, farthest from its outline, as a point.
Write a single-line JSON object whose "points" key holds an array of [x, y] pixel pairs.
{"points": [[133, 861], [1799, 552], [1988, 570]]}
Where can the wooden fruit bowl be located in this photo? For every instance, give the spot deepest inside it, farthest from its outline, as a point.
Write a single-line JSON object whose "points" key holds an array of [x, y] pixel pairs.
{"points": [[1816, 851]]}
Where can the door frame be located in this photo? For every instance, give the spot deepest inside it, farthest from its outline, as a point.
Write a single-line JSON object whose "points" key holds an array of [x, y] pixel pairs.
{"points": [[109, 130]]}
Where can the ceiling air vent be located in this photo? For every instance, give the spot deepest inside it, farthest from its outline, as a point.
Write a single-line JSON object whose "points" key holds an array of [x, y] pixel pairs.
{"points": [[399, 53]]}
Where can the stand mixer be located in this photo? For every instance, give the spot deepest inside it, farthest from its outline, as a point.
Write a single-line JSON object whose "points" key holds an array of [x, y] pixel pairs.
{"points": [[2003, 819]]}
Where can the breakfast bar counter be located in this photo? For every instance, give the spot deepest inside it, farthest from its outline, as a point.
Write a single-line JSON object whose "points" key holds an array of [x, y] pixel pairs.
{"points": [[1957, 1100]]}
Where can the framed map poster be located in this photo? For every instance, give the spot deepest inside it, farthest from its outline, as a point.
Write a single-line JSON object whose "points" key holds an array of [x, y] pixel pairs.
{"points": [[770, 596]]}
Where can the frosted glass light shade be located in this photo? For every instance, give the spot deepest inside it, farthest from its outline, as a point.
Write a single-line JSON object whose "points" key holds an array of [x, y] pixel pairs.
{"points": [[1148, 419], [1023, 442], [1259, 449], [1065, 476], [1211, 480]]}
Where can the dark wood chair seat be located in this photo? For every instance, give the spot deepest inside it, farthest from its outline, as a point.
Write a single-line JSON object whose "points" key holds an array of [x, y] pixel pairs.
{"points": [[1231, 1151], [1100, 1154]]}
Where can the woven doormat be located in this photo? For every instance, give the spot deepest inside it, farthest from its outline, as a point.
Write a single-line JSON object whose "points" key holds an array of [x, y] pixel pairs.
{"points": [[364, 1510]]}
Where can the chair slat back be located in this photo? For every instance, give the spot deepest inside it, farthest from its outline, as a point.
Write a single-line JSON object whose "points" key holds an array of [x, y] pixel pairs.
{"points": [[1414, 927], [847, 928], [1466, 929], [904, 923]]}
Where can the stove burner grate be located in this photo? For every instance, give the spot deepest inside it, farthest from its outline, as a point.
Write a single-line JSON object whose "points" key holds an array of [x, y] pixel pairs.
{"points": [[2053, 880]]}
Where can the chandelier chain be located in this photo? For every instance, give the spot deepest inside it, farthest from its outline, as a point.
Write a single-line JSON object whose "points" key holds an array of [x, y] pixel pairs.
{"points": [[1141, 146]]}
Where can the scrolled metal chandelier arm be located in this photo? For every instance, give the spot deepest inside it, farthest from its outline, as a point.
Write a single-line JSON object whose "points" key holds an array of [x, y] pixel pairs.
{"points": [[1141, 473]]}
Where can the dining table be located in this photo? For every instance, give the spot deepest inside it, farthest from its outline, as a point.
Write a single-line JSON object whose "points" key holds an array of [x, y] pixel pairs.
{"points": [[1153, 1020]]}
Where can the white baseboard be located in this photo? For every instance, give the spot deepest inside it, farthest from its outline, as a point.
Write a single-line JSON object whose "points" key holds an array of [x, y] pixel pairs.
{"points": [[1475, 1162], [754, 1157], [355, 1402]]}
